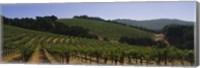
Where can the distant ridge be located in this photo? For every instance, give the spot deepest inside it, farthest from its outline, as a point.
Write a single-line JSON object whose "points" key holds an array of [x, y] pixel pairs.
{"points": [[155, 24]]}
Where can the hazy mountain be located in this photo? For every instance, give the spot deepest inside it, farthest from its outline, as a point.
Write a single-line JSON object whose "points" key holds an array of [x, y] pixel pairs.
{"points": [[156, 24]]}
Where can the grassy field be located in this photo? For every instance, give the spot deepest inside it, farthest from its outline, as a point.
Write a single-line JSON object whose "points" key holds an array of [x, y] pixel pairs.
{"points": [[106, 29]]}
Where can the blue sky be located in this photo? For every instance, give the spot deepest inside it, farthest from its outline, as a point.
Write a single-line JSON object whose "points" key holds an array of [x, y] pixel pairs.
{"points": [[130, 10]]}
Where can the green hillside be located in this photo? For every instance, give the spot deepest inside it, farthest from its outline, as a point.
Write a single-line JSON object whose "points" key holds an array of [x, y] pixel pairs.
{"points": [[106, 29], [24, 45]]}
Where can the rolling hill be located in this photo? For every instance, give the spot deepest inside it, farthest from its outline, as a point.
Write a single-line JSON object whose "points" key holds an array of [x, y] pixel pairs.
{"points": [[19, 43], [106, 29], [156, 24], [29, 46]]}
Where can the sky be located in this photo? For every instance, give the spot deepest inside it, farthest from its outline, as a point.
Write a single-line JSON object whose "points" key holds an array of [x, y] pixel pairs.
{"points": [[127, 10]]}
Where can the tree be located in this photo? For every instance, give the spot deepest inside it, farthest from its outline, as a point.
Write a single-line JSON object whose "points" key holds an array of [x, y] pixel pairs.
{"points": [[181, 36], [46, 23], [6, 20], [138, 41], [87, 17]]}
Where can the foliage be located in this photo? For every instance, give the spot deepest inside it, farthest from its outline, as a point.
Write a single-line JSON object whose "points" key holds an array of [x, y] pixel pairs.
{"points": [[18, 39], [107, 30], [138, 41], [181, 36], [49, 24]]}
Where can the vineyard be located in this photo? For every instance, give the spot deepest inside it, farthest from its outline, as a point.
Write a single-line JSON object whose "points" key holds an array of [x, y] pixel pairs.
{"points": [[29, 46], [114, 33]]}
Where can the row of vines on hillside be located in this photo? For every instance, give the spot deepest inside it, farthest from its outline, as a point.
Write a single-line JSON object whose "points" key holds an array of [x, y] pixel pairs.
{"points": [[67, 48], [78, 48]]}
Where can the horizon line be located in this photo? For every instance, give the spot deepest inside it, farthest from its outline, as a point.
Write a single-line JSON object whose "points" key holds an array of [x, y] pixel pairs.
{"points": [[104, 18]]}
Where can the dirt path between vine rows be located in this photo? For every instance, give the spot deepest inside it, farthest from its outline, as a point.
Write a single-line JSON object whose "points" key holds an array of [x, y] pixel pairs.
{"points": [[38, 56]]}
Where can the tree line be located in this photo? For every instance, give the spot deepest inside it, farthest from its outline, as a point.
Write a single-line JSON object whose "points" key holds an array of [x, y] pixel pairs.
{"points": [[181, 36], [49, 24], [87, 17], [137, 41]]}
